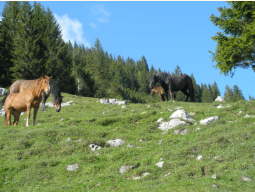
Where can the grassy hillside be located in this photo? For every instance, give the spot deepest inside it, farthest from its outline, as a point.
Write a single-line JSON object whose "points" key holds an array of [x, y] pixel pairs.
{"points": [[35, 158]]}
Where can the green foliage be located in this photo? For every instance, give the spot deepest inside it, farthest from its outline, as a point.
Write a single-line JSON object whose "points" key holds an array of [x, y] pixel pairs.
{"points": [[233, 95], [235, 44]]}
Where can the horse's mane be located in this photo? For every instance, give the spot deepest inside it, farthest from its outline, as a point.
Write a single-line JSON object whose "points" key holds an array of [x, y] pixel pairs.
{"points": [[35, 85], [55, 90]]}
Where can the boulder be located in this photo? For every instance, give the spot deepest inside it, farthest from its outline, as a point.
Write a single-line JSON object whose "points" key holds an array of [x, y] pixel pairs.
{"points": [[2, 91], [164, 126], [209, 120], [181, 114], [220, 99], [116, 142], [2, 112]]}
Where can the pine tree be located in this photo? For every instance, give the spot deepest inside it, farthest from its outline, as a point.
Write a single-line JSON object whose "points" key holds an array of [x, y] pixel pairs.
{"points": [[228, 94], [215, 91], [8, 32], [237, 94], [197, 90]]}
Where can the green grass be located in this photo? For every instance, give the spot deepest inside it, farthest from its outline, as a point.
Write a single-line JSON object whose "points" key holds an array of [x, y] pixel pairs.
{"points": [[35, 158]]}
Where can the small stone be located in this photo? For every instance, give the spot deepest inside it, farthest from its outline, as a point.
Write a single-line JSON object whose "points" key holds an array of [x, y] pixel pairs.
{"points": [[246, 179], [160, 164], [160, 120], [124, 106], [130, 145], [199, 157], [214, 176], [68, 139], [72, 167], [167, 174], [61, 119]]}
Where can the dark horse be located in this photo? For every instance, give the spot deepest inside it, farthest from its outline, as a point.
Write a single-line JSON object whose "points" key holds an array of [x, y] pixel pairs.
{"points": [[173, 83], [21, 85]]}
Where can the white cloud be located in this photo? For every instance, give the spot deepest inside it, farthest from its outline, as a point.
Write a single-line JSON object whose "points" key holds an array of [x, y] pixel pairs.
{"points": [[71, 30], [93, 25], [101, 12]]}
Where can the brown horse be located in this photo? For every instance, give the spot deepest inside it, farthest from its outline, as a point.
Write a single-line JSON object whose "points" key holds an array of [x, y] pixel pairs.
{"points": [[16, 103], [160, 91], [21, 85]]}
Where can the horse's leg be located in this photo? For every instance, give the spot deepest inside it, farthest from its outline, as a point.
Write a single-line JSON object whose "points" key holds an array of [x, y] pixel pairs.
{"points": [[35, 112], [16, 115], [8, 114], [171, 93], [185, 93], [44, 98], [28, 113], [160, 98], [163, 97]]}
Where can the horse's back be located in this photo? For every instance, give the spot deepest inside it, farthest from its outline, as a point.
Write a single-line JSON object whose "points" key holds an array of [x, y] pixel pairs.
{"points": [[21, 85]]}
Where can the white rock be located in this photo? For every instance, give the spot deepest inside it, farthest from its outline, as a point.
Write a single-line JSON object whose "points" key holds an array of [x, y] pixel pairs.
{"points": [[94, 147], [176, 131], [2, 91], [2, 112], [123, 168], [220, 106], [170, 110], [214, 176], [247, 116], [159, 120], [120, 102], [61, 119], [246, 179], [103, 112], [209, 120], [104, 101], [72, 167], [239, 113], [167, 174], [112, 100], [98, 184], [164, 126], [198, 128], [160, 164], [184, 132], [130, 145], [181, 114], [160, 142], [220, 99], [116, 142], [68, 139], [148, 106], [199, 157], [123, 107], [143, 175]]}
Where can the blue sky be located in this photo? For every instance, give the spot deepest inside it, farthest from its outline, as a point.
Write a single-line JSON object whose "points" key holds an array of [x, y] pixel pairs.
{"points": [[167, 33]]}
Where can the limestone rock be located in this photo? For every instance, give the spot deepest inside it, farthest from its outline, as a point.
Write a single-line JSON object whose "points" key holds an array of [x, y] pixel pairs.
{"points": [[209, 120], [181, 114]]}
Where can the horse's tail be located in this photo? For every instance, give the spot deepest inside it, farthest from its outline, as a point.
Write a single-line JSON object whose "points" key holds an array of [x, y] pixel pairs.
{"points": [[3, 100]]}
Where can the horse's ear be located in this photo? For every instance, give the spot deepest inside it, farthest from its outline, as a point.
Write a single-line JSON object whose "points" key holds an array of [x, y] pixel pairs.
{"points": [[43, 76]]}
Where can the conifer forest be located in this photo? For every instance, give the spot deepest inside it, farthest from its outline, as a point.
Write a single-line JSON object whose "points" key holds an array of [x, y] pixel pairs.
{"points": [[31, 45]]}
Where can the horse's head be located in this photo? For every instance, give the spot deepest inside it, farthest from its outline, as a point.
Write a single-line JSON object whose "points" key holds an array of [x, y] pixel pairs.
{"points": [[46, 84], [57, 100], [153, 80]]}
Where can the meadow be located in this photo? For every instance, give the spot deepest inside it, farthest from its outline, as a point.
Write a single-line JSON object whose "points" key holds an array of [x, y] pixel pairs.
{"points": [[36, 158]]}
